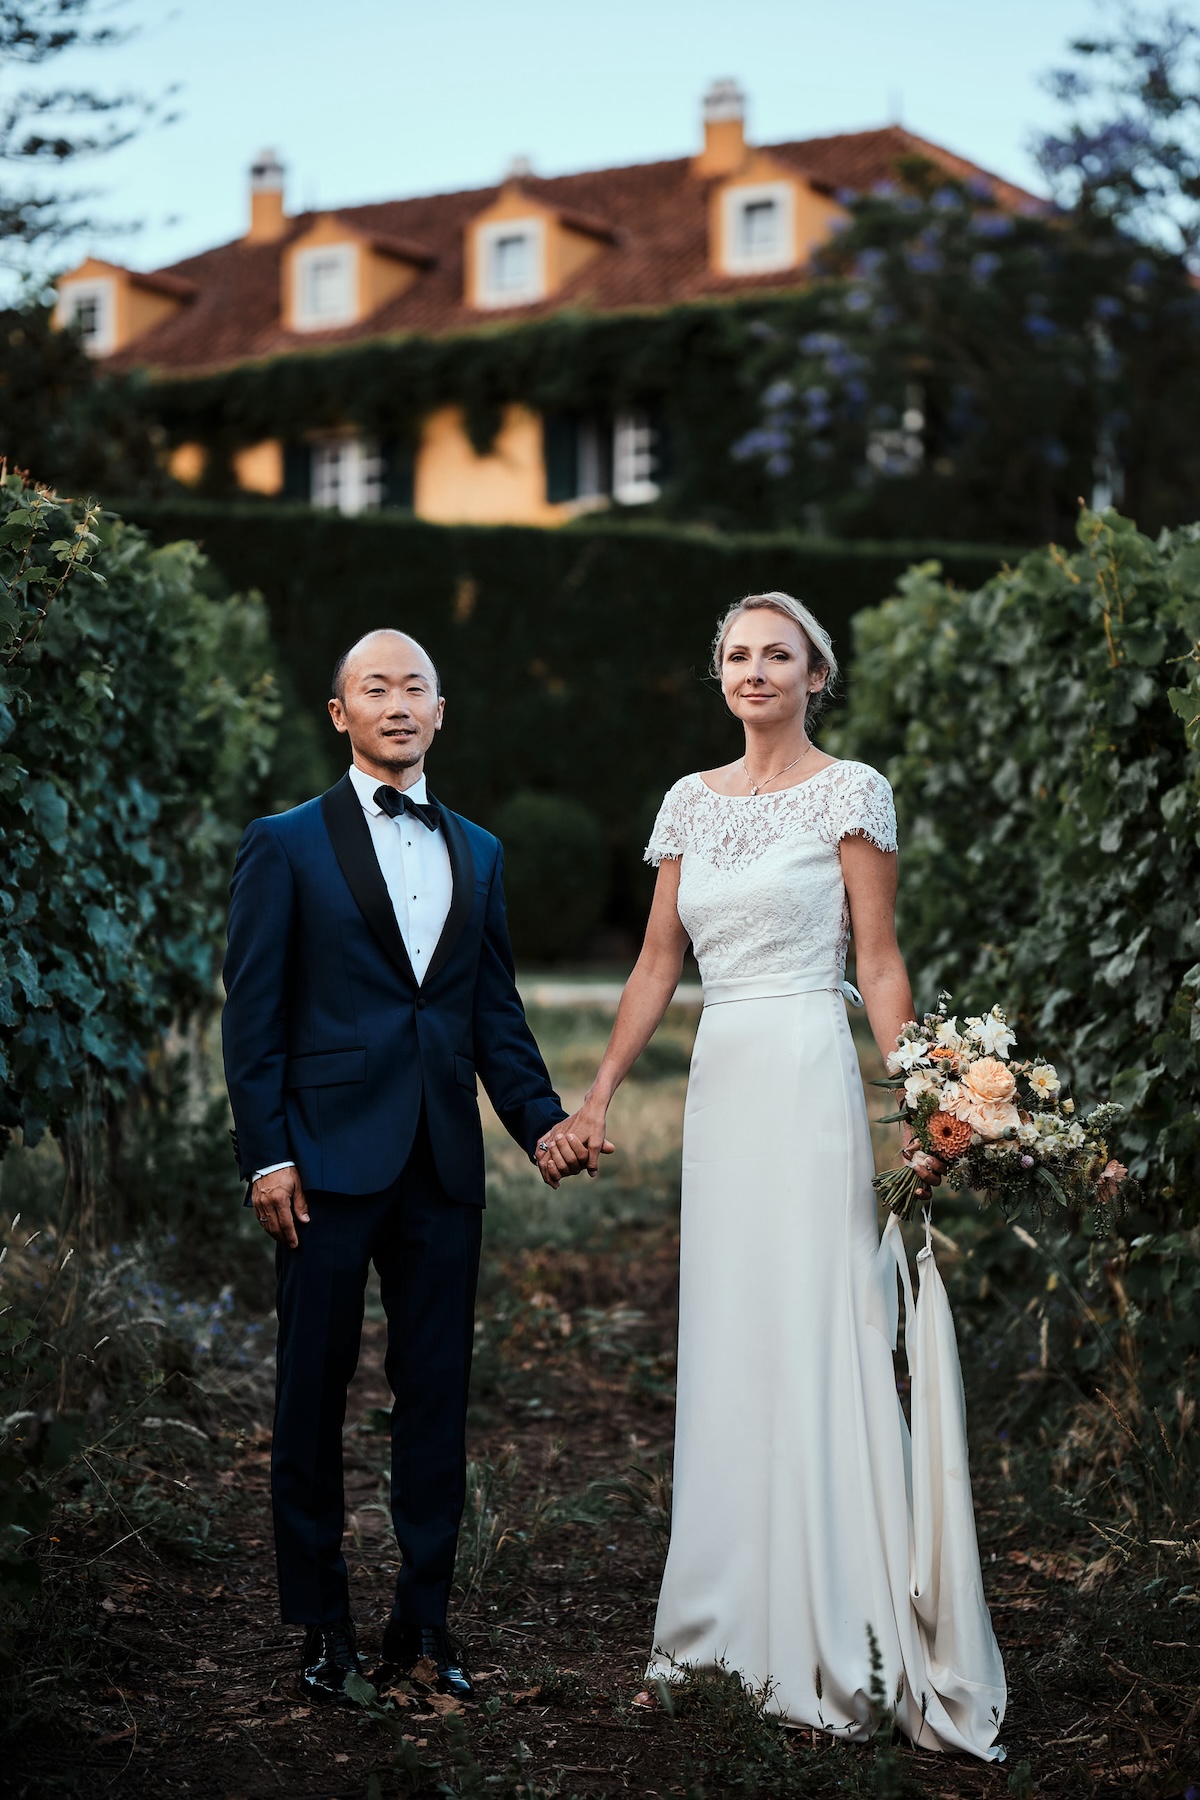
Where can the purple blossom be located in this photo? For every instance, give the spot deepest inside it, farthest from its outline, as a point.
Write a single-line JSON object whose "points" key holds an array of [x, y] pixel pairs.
{"points": [[1027, 1162], [1107, 306], [947, 199], [779, 393], [779, 464], [984, 265], [992, 225], [858, 300]]}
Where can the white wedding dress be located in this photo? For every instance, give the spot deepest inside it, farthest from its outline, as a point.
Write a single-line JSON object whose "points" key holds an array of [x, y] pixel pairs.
{"points": [[803, 1511]]}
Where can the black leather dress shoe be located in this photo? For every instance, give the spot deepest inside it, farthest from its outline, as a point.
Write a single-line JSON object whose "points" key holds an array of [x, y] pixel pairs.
{"points": [[404, 1646], [330, 1654]]}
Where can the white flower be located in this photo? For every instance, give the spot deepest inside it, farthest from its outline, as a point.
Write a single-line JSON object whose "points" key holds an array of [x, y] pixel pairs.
{"points": [[1043, 1079], [992, 1034], [909, 1056], [949, 1036], [1068, 1106], [921, 1081], [956, 1100], [1027, 1132]]}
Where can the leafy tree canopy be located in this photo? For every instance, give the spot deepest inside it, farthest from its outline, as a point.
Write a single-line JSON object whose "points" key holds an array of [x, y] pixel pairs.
{"points": [[1132, 150], [975, 371]]}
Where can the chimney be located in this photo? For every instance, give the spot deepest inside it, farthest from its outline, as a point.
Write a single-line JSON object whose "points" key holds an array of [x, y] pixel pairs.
{"points": [[268, 221], [724, 130]]}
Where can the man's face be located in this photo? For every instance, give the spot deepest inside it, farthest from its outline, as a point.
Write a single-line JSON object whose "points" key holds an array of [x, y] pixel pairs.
{"points": [[389, 706]]}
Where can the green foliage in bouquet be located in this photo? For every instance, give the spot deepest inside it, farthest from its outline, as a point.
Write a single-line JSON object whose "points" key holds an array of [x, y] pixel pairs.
{"points": [[1042, 735], [998, 1126], [137, 715]]}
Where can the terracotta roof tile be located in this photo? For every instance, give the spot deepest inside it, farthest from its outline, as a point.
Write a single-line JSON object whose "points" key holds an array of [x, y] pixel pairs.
{"points": [[654, 217]]}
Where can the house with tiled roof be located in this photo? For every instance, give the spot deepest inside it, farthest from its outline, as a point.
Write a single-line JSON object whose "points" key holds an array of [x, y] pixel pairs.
{"points": [[733, 222]]}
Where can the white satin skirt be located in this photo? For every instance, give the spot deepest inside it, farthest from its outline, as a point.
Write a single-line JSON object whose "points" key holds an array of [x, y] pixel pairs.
{"points": [[805, 1518]]}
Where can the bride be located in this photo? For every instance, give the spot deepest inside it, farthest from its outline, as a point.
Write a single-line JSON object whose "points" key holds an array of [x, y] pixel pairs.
{"points": [[807, 1526]]}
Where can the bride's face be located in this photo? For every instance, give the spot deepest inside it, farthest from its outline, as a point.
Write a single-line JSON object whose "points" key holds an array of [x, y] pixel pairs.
{"points": [[765, 675]]}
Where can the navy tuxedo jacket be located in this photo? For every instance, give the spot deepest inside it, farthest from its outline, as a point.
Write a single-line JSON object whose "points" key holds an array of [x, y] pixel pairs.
{"points": [[331, 1045]]}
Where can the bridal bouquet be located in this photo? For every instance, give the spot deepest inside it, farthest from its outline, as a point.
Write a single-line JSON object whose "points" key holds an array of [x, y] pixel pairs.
{"points": [[999, 1127]]}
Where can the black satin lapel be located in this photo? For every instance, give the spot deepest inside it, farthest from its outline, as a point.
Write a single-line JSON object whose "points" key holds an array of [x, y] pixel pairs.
{"points": [[462, 875], [350, 836]]}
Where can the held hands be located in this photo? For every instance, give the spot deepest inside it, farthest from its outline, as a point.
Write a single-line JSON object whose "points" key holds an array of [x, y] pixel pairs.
{"points": [[279, 1205], [573, 1144]]}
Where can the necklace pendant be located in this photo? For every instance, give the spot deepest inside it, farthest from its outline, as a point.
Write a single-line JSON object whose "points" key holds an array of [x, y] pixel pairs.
{"points": [[753, 789]]}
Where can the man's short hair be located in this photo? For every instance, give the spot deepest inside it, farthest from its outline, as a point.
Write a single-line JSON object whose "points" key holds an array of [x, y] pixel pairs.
{"points": [[336, 685]]}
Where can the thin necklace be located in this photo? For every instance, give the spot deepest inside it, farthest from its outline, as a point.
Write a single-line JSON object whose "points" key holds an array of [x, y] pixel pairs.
{"points": [[755, 785]]}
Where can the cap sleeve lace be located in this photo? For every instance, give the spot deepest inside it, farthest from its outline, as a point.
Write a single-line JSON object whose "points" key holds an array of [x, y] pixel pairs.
{"points": [[861, 805], [669, 837]]}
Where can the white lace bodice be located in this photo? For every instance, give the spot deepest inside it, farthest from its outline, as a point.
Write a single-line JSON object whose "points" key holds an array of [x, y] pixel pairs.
{"points": [[760, 882]]}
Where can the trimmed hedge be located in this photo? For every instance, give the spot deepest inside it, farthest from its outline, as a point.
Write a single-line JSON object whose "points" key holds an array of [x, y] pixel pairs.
{"points": [[574, 661]]}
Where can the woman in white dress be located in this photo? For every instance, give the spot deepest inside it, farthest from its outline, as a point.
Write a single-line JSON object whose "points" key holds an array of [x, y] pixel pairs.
{"points": [[805, 1520]]}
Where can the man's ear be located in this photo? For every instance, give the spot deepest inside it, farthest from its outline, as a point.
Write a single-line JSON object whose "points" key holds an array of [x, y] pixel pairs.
{"points": [[441, 712], [338, 715]]}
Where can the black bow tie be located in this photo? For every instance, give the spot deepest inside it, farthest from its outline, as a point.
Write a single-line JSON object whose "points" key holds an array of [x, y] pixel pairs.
{"points": [[393, 804]]}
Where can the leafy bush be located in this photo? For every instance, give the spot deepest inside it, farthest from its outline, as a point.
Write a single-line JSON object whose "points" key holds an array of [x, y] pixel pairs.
{"points": [[555, 874], [137, 717], [1042, 735]]}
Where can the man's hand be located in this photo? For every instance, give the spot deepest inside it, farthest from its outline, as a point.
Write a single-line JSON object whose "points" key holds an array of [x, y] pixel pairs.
{"points": [[279, 1205], [575, 1143]]}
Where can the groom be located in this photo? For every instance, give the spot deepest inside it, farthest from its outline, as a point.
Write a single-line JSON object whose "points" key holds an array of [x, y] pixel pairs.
{"points": [[369, 980]]}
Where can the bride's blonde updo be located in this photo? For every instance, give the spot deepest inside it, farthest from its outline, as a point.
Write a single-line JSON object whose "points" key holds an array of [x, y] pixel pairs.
{"points": [[820, 644]]}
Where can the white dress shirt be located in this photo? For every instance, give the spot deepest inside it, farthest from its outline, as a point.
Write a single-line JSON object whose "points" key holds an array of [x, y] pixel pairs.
{"points": [[415, 865]]}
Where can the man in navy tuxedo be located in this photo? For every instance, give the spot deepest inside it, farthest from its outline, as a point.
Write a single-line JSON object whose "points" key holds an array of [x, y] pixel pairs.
{"points": [[369, 981]]}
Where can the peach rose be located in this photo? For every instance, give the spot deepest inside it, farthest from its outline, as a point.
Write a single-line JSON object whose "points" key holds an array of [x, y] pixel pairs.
{"points": [[989, 1079], [992, 1118]]}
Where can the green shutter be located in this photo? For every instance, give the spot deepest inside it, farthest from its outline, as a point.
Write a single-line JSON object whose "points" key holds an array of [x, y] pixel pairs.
{"points": [[399, 465], [560, 450], [297, 472]]}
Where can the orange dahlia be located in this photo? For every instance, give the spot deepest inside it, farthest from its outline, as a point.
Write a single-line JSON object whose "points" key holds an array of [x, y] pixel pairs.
{"points": [[948, 1137]]}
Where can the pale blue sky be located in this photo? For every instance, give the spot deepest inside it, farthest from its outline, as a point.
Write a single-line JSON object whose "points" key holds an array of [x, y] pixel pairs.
{"points": [[373, 99]]}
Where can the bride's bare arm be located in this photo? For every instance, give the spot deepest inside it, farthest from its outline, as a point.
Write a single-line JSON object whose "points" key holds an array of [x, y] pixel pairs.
{"points": [[870, 877], [646, 998]]}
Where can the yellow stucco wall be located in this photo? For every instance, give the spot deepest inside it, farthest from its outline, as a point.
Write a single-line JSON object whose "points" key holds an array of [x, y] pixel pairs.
{"points": [[259, 467], [377, 277], [135, 309], [815, 215], [187, 463], [454, 486]]}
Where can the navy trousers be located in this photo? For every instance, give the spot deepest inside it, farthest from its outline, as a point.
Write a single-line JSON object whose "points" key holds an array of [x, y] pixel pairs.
{"points": [[426, 1250]]}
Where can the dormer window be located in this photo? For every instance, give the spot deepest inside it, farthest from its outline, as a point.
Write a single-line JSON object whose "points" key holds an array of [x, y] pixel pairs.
{"points": [[512, 262], [759, 228], [326, 280], [91, 308]]}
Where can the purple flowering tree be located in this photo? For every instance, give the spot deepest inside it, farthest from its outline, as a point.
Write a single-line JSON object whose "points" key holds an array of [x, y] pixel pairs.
{"points": [[1131, 149]]}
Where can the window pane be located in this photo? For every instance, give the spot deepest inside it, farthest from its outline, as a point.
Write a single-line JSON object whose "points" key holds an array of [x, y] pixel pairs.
{"points": [[512, 263], [327, 285], [633, 460], [87, 317], [760, 228], [347, 474]]}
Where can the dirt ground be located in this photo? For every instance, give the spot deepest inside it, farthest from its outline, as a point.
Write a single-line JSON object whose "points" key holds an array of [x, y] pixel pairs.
{"points": [[194, 1691], [178, 1678]]}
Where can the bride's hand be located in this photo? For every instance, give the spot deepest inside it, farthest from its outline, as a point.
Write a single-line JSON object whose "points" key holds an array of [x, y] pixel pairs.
{"points": [[924, 1164], [575, 1143]]}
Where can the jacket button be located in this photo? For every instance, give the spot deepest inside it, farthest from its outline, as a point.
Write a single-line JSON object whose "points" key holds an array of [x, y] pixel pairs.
{"points": [[420, 1002]]}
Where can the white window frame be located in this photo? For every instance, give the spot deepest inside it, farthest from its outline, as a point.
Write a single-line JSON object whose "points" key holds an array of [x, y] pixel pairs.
{"points": [[103, 292], [734, 202], [347, 474], [486, 238], [633, 460], [304, 317]]}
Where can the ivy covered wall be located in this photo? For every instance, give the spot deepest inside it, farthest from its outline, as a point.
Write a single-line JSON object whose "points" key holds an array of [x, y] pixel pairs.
{"points": [[693, 366]]}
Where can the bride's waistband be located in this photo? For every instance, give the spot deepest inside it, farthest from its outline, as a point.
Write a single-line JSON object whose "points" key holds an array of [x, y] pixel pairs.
{"points": [[777, 987]]}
